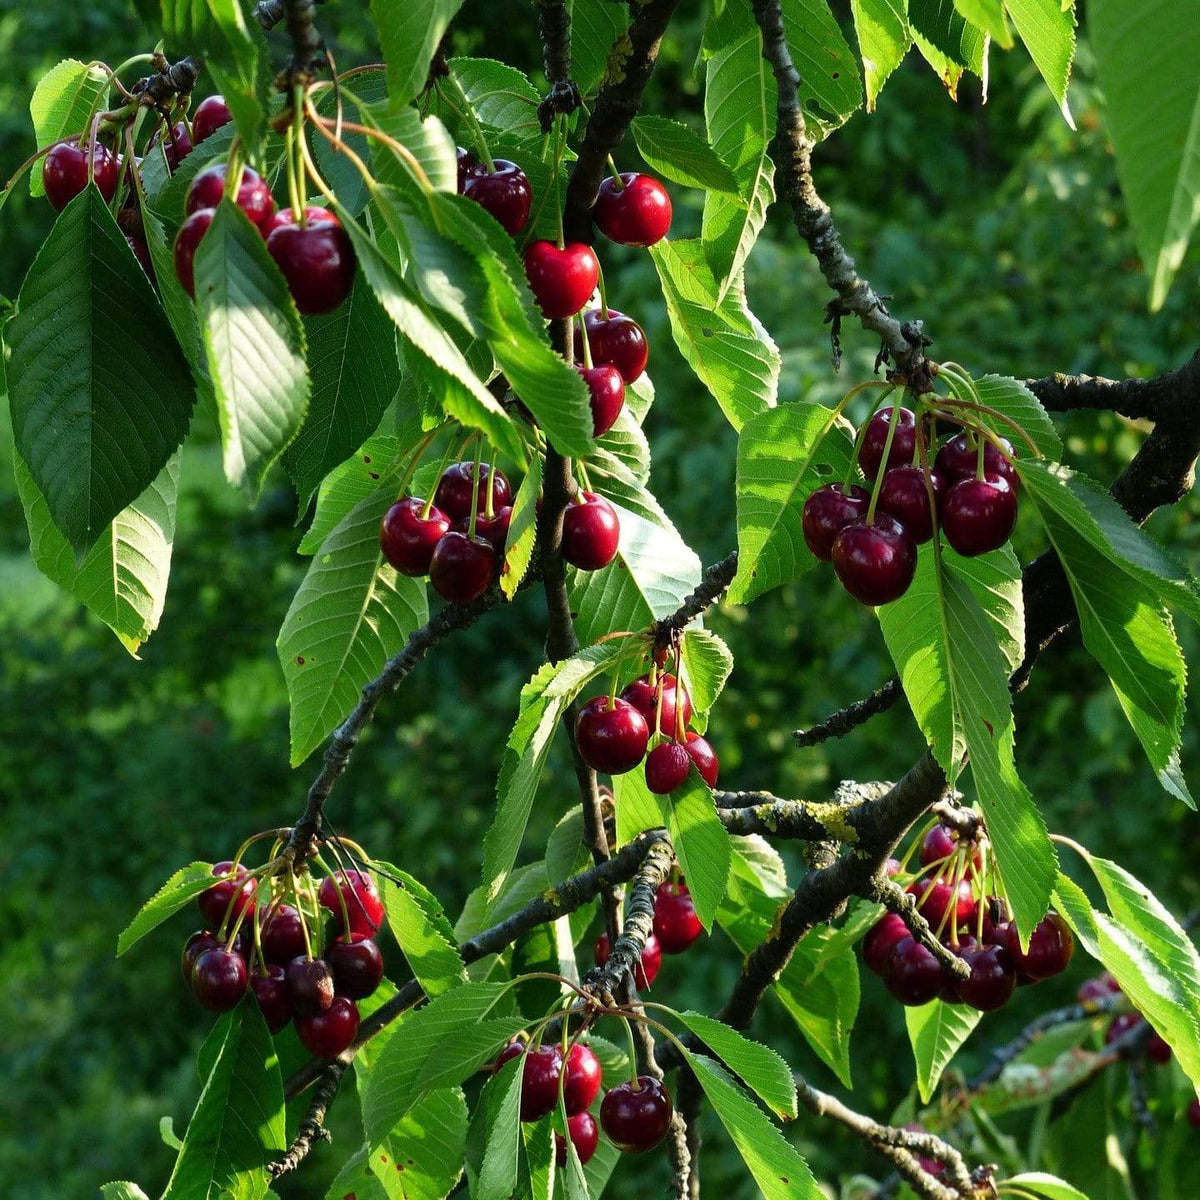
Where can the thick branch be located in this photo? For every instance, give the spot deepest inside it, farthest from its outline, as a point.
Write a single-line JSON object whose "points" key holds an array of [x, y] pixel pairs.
{"points": [[904, 905], [1136, 399], [554, 23]]}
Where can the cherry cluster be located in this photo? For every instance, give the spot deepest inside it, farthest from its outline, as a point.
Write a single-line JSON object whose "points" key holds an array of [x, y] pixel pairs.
{"points": [[613, 733], [635, 1115], [1103, 986], [972, 924], [676, 927], [274, 949], [871, 537]]}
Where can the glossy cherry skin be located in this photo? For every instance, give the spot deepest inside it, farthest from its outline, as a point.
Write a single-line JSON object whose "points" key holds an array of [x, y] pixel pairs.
{"points": [[65, 172], [582, 1085], [611, 740], [282, 936], [646, 971], [644, 698], [453, 495], [827, 512], [979, 515], [903, 495], [310, 985], [177, 145], [363, 906], [329, 1033], [253, 197], [215, 900], [667, 767], [211, 113], [357, 965], [493, 529], [996, 920], [880, 939], [504, 192], [704, 756], [912, 974], [934, 898], [317, 260], [271, 992], [591, 533], [196, 945], [904, 442], [190, 234], [638, 213], [408, 539], [993, 977], [313, 214], [606, 390], [585, 1137], [617, 341], [462, 567], [539, 1083], [1050, 948], [562, 281], [636, 1117], [219, 979], [959, 459], [875, 562], [675, 922], [940, 842]]}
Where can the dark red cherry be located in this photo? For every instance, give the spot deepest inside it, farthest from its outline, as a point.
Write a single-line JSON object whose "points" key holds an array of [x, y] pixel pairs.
{"points": [[934, 898], [646, 971], [606, 389], [196, 945], [310, 985], [636, 212], [582, 1084], [141, 252], [211, 113], [1091, 991], [363, 906], [591, 532], [282, 936], [940, 842], [313, 215], [253, 197], [357, 965], [317, 260], [214, 901], [992, 980], [617, 340], [186, 241], [271, 992], [875, 562], [903, 495], [539, 1083], [636, 1115], [912, 974], [979, 515], [219, 979], [827, 512], [644, 698], [611, 739], [1121, 1025], [704, 756], [462, 567], [514, 1049], [177, 144], [453, 495], [493, 529], [675, 922], [65, 172], [667, 767], [959, 459], [1157, 1050], [407, 538], [329, 1033], [584, 1135], [904, 442], [996, 920], [880, 939], [466, 164], [504, 192], [562, 281], [1050, 948]]}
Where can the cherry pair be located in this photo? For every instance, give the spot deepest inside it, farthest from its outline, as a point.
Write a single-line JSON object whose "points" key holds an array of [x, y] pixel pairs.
{"points": [[618, 351]]}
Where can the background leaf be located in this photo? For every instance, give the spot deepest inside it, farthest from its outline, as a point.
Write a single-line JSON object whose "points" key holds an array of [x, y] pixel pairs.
{"points": [[1048, 31], [883, 41], [420, 926]]}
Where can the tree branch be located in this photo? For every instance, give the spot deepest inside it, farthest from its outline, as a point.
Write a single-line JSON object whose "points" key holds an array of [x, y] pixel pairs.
{"points": [[708, 591], [840, 723], [554, 24], [1137, 399], [904, 904]]}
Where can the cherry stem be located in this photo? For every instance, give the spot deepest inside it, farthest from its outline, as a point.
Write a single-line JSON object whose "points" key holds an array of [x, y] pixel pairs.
{"points": [[475, 496], [633, 1062], [616, 175], [603, 293], [679, 694], [295, 164], [560, 141], [569, 338], [862, 429], [883, 463], [587, 344], [464, 110], [341, 895], [489, 508], [415, 457]]}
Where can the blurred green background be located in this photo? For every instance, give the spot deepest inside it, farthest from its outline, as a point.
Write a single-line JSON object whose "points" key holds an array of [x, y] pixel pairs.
{"points": [[995, 223]]}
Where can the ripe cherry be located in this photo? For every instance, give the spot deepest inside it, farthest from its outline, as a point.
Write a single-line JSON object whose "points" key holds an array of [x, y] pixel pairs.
{"points": [[310, 985], [408, 536], [539, 1083], [271, 992], [65, 172], [635, 212], [462, 567], [584, 1135], [646, 971], [253, 196], [282, 935], [317, 260], [645, 699], [875, 562], [636, 1115], [704, 756], [1091, 991], [466, 164], [219, 978], [211, 113], [959, 459], [214, 901], [912, 974], [493, 529], [616, 339], [582, 1084], [1121, 1025], [562, 281], [190, 234], [504, 192], [996, 920], [940, 842], [313, 213], [1050, 948], [606, 390], [196, 945], [611, 739], [357, 965], [667, 767], [363, 906], [880, 939], [177, 144], [141, 252], [453, 495], [934, 898], [329, 1033], [904, 441], [1157, 1050], [992, 980], [827, 512], [903, 495], [979, 515], [676, 925], [591, 532]]}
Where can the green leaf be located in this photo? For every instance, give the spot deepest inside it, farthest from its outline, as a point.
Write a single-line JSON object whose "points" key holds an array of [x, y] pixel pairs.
{"points": [[255, 346], [940, 23], [124, 1190], [460, 1054], [988, 15], [1148, 63], [167, 193], [425, 138], [186, 884], [522, 529], [1014, 400], [99, 401], [409, 34], [701, 843], [348, 483], [830, 87], [538, 1157], [595, 27], [354, 373], [707, 664], [498, 1173], [759, 1067], [730, 352], [778, 1169], [1048, 31], [61, 105], [784, 455], [1041, 1184], [352, 612], [123, 577], [238, 1125], [422, 1157], [679, 153], [502, 97], [638, 808], [883, 41], [420, 926], [936, 1031]]}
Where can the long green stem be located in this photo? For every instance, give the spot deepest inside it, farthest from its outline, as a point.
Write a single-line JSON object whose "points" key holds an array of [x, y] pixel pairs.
{"points": [[883, 462], [464, 110]]}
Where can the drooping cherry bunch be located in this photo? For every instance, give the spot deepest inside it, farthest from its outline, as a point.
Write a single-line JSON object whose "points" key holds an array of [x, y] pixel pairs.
{"points": [[306, 950], [1102, 988], [676, 928], [951, 893]]}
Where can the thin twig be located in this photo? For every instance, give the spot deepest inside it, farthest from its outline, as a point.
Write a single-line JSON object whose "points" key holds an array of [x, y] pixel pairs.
{"points": [[846, 719]]}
